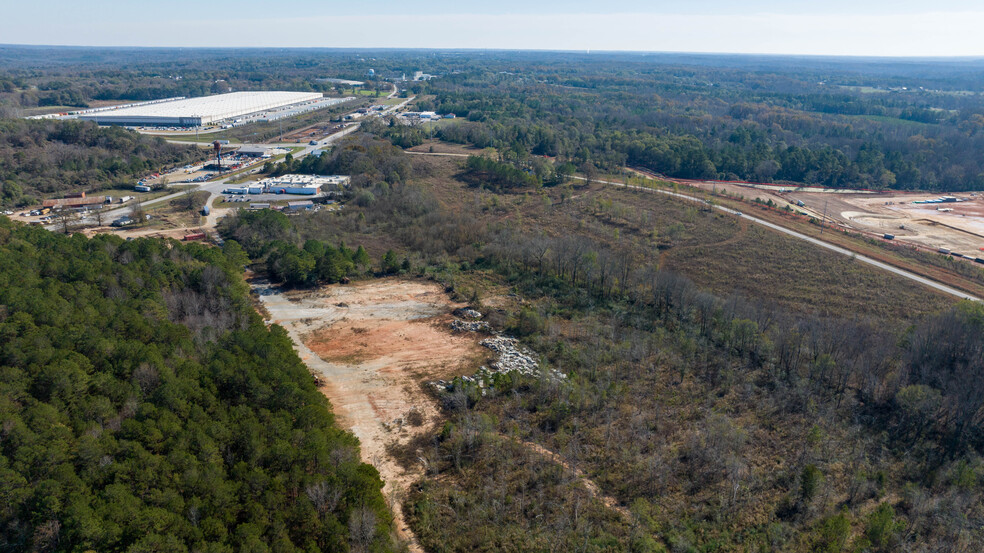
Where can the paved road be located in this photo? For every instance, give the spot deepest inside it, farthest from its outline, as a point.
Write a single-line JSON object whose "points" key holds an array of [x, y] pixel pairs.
{"points": [[215, 187], [864, 259]]}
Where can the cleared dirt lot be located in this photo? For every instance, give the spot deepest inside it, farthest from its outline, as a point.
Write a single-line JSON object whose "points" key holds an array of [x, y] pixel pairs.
{"points": [[959, 227], [372, 345]]}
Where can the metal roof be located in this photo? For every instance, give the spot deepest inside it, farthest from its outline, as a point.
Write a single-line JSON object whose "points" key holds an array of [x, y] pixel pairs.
{"points": [[208, 108]]}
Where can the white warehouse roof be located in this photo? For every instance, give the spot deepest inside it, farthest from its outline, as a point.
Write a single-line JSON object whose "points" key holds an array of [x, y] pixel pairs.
{"points": [[198, 111]]}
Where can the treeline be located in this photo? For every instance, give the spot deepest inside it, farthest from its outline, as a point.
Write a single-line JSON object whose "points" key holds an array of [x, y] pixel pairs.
{"points": [[404, 136], [145, 406], [268, 237], [365, 158], [40, 157], [496, 175], [315, 263]]}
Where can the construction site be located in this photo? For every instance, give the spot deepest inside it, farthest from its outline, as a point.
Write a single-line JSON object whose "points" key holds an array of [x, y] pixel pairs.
{"points": [[929, 221]]}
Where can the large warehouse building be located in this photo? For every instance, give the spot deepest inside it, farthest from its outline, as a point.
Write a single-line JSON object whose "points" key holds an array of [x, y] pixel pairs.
{"points": [[192, 112]]}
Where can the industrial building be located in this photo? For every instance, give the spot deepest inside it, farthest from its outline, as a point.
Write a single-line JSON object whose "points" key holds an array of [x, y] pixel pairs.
{"points": [[192, 112], [259, 151], [302, 189], [302, 184]]}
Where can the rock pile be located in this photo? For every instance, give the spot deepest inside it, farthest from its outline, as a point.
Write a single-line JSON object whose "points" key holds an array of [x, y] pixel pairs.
{"points": [[470, 326], [467, 313], [512, 358]]}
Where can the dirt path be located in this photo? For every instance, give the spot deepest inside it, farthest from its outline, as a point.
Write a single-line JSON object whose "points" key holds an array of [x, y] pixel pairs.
{"points": [[445, 154], [589, 484], [742, 228], [371, 345]]}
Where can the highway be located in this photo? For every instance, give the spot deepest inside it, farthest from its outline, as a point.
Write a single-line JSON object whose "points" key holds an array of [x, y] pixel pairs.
{"points": [[864, 259]]}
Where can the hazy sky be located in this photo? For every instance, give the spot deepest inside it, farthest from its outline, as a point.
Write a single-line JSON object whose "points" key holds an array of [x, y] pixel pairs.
{"points": [[833, 27]]}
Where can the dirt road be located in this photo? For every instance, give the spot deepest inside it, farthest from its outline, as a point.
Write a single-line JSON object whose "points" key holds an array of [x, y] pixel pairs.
{"points": [[372, 345]]}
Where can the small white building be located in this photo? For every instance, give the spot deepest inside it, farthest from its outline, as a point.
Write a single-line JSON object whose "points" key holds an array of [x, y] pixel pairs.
{"points": [[257, 151], [300, 189], [298, 206]]}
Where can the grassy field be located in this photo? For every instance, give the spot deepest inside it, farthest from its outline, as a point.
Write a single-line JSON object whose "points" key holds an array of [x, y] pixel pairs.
{"points": [[181, 212], [716, 251], [964, 276]]}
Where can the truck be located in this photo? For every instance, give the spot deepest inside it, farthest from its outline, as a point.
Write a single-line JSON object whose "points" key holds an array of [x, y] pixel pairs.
{"points": [[889, 237], [194, 236]]}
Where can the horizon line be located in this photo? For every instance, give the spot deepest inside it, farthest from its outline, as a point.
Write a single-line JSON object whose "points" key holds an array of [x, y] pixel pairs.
{"points": [[586, 51]]}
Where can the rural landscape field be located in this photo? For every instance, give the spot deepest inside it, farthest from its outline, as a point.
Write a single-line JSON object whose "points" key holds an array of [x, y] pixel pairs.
{"points": [[516, 296]]}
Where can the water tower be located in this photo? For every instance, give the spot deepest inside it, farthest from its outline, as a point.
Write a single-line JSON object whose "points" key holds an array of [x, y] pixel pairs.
{"points": [[218, 153]]}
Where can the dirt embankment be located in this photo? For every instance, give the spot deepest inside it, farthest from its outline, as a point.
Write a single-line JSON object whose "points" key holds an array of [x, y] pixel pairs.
{"points": [[371, 345]]}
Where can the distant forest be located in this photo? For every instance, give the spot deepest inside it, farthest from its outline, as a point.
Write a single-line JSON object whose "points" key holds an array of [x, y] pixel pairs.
{"points": [[872, 123], [712, 123]]}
